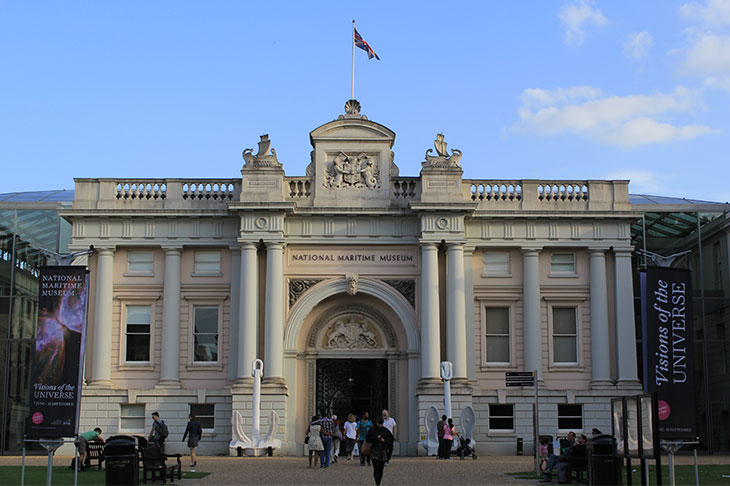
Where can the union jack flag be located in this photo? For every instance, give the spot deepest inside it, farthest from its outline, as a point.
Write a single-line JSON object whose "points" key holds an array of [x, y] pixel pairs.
{"points": [[360, 42]]}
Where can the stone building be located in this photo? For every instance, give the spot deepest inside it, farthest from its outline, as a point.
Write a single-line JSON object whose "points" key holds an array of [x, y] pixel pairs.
{"points": [[353, 283]]}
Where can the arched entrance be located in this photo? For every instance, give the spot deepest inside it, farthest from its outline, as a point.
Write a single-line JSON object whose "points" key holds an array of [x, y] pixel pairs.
{"points": [[353, 348], [392, 320]]}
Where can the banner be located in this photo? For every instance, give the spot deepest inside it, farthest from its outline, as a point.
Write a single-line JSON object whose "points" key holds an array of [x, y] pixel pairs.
{"points": [[668, 344], [57, 364]]}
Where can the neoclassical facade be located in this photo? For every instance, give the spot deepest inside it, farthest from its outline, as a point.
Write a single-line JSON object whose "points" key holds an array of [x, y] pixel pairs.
{"points": [[353, 283]]}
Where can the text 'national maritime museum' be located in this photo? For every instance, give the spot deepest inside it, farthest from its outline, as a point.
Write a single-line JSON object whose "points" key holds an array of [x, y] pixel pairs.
{"points": [[353, 283]]}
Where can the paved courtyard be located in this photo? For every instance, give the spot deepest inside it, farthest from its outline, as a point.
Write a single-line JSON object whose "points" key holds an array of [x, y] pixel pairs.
{"points": [[487, 470]]}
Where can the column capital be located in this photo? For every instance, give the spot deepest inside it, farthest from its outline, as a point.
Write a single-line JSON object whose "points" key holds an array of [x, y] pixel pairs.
{"points": [[428, 245], [455, 244], [531, 250], [246, 245], [172, 249], [105, 250], [274, 245], [597, 250], [623, 252]]}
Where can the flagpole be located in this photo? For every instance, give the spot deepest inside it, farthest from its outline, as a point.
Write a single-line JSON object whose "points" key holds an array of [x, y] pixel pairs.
{"points": [[352, 94]]}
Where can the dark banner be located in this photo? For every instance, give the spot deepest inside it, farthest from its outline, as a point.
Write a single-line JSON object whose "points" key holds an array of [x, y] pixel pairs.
{"points": [[668, 343], [57, 365]]}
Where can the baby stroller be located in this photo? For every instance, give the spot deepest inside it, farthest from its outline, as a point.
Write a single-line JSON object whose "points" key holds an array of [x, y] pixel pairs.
{"points": [[465, 448]]}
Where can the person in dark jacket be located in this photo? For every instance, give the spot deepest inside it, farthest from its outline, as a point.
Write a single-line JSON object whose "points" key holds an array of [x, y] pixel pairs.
{"points": [[193, 432], [574, 456], [381, 440]]}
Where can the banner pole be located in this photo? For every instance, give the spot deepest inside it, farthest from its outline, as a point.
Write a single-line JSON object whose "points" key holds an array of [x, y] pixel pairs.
{"points": [[537, 428], [352, 93], [22, 469]]}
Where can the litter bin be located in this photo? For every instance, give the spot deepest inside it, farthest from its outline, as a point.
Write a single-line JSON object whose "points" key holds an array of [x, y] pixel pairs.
{"points": [[122, 467], [603, 466]]}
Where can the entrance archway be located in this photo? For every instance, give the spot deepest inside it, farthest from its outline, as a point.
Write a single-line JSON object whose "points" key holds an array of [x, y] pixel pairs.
{"points": [[349, 385]]}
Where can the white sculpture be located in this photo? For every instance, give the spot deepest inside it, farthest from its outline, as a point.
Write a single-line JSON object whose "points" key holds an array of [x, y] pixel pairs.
{"points": [[447, 372], [255, 446], [431, 443]]}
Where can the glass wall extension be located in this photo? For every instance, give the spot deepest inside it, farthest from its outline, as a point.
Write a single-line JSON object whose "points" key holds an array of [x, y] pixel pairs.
{"points": [[699, 239], [25, 228]]}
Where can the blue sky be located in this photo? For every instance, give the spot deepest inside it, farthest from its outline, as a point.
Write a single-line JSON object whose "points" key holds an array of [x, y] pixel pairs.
{"points": [[569, 90]]}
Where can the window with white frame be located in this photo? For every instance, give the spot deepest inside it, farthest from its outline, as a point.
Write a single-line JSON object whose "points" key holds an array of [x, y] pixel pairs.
{"points": [[205, 333], [565, 335], [140, 262], [501, 417], [570, 417], [137, 333], [207, 262], [496, 264], [205, 414], [562, 264], [131, 417], [497, 335]]}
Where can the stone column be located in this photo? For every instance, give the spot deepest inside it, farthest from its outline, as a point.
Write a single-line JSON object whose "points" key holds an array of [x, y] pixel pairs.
{"points": [[625, 327], [274, 313], [233, 319], [600, 355], [101, 367], [532, 327], [247, 313], [430, 340], [169, 372], [455, 309], [469, 314]]}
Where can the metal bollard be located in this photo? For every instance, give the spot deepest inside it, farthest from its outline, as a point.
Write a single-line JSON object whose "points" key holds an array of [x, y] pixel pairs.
{"points": [[520, 447]]}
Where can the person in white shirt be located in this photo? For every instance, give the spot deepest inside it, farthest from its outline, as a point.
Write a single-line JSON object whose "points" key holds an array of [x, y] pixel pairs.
{"points": [[350, 436], [389, 423]]}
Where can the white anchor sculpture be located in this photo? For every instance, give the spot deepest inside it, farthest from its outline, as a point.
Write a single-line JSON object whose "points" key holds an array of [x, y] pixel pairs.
{"points": [[255, 446], [432, 417]]}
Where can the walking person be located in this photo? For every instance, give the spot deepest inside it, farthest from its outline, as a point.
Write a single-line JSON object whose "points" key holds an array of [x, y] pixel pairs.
{"points": [[327, 433], [336, 439], [350, 436], [440, 430], [159, 431], [193, 432], [382, 441], [389, 423], [313, 441], [363, 427]]}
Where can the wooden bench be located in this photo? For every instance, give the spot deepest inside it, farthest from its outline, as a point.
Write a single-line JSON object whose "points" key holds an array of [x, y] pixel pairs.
{"points": [[94, 452], [154, 463]]}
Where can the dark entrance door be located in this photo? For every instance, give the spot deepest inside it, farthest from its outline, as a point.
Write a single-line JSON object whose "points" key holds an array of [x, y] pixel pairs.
{"points": [[347, 386]]}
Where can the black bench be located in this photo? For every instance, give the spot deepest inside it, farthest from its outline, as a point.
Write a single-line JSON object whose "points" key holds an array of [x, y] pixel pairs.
{"points": [[94, 452], [154, 463]]}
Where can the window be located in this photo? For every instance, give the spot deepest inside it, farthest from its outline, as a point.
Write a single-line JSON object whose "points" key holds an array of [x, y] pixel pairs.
{"points": [[205, 334], [205, 414], [497, 335], [501, 417], [496, 264], [207, 262], [131, 417], [139, 320], [565, 335], [140, 262], [562, 263], [570, 417]]}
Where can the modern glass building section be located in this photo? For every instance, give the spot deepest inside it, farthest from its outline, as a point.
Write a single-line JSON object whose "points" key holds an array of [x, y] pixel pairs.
{"points": [[698, 233], [29, 222]]}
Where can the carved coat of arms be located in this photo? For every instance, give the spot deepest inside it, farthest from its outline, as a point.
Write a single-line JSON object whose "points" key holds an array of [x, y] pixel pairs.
{"points": [[349, 171], [351, 333]]}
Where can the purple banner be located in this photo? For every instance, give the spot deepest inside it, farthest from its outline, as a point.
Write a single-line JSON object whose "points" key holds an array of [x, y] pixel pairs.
{"points": [[57, 365], [668, 344]]}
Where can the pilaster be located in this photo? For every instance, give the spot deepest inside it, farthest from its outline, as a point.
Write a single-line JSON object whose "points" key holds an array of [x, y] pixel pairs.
{"points": [[600, 354], [169, 372], [101, 370]]}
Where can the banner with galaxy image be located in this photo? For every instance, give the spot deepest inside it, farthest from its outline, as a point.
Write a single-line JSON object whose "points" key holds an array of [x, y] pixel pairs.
{"points": [[57, 365]]}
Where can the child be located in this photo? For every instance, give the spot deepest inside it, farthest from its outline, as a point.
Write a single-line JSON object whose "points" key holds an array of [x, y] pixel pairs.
{"points": [[543, 453]]}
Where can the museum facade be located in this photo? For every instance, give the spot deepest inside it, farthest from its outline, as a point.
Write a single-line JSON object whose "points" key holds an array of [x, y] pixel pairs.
{"points": [[353, 283]]}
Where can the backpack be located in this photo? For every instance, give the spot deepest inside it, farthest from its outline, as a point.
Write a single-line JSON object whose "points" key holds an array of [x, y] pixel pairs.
{"points": [[163, 430]]}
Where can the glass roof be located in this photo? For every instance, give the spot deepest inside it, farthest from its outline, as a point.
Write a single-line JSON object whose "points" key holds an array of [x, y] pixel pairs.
{"points": [[38, 196]]}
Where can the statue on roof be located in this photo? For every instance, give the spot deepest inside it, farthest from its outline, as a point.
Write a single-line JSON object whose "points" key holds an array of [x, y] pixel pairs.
{"points": [[442, 159], [265, 158]]}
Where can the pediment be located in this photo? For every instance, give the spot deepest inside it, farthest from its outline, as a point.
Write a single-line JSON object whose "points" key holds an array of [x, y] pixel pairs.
{"points": [[355, 130]]}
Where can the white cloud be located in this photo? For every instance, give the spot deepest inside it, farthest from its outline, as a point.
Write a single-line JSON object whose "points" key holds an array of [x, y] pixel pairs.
{"points": [[624, 121], [576, 17], [707, 53], [712, 12], [536, 97], [638, 45]]}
